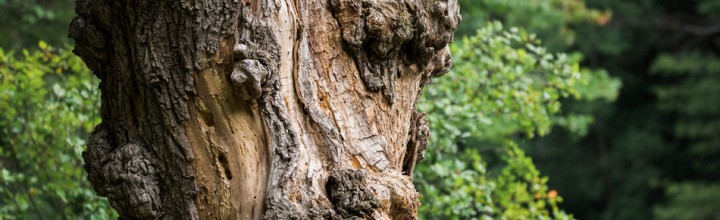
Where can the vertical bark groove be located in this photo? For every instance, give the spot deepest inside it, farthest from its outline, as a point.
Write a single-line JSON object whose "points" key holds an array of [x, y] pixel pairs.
{"points": [[419, 135]]}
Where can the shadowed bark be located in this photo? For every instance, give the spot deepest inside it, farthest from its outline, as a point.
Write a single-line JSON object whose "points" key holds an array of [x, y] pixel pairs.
{"points": [[275, 109]]}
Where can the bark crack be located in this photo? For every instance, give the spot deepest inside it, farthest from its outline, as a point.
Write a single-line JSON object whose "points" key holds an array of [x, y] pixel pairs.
{"points": [[419, 135]]}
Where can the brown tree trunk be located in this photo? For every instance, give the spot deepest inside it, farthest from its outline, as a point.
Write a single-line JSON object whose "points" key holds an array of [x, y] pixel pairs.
{"points": [[275, 109]]}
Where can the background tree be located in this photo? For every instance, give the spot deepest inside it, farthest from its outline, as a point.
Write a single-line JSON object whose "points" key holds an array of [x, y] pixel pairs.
{"points": [[652, 154], [23, 23], [504, 88]]}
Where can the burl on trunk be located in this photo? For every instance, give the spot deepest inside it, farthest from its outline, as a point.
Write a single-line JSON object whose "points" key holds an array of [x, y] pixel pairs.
{"points": [[275, 109]]}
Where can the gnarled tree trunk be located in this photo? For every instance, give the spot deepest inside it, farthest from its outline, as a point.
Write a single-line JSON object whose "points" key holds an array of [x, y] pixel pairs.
{"points": [[276, 109]]}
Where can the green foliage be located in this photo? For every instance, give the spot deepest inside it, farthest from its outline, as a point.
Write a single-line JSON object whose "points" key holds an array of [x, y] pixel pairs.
{"points": [[464, 188], [504, 86], [691, 201], [25, 22], [49, 102], [698, 116], [552, 19], [696, 76], [652, 154]]}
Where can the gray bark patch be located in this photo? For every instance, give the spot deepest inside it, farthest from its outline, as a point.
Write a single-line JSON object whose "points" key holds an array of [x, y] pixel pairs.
{"points": [[146, 54], [126, 175]]}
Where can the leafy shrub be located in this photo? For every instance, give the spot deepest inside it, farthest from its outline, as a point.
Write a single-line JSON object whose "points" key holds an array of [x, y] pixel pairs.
{"points": [[49, 102], [503, 88]]}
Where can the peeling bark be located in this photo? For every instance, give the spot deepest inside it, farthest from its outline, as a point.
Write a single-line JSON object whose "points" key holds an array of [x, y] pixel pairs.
{"points": [[220, 109]]}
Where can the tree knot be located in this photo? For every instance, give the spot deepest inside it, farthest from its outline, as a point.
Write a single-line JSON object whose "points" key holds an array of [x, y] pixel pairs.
{"points": [[126, 175], [350, 193], [247, 78], [256, 55], [384, 34]]}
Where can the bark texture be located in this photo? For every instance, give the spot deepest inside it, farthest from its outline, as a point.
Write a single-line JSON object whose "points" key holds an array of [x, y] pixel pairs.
{"points": [[275, 109]]}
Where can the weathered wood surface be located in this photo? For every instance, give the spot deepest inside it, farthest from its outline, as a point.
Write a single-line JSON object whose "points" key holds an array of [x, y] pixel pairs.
{"points": [[275, 109]]}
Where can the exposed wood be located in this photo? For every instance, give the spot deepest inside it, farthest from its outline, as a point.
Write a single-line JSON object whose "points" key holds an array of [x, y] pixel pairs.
{"points": [[284, 109]]}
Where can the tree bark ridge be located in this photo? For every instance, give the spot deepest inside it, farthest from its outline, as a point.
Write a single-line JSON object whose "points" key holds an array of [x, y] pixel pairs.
{"points": [[275, 109]]}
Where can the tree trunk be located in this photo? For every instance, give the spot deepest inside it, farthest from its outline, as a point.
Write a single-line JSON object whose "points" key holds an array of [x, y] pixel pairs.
{"points": [[275, 109]]}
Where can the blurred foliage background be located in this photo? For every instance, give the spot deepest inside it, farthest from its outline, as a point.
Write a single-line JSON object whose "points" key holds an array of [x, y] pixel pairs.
{"points": [[555, 109]]}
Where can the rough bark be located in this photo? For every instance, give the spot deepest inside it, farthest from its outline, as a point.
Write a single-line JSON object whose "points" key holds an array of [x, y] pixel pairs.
{"points": [[275, 109]]}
